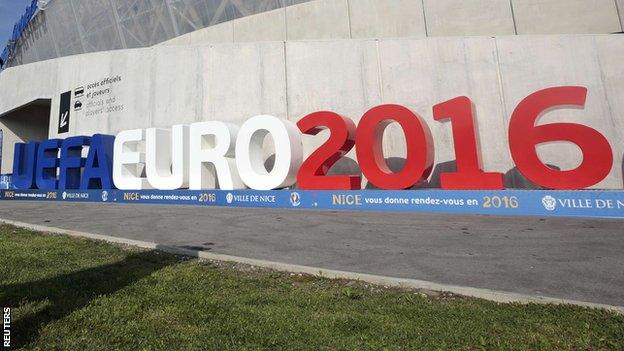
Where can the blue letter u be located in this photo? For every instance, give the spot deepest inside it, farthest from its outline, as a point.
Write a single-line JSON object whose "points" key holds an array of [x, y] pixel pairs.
{"points": [[24, 160]]}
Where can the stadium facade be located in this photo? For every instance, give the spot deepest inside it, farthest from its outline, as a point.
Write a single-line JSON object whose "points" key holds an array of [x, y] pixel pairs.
{"points": [[116, 65]]}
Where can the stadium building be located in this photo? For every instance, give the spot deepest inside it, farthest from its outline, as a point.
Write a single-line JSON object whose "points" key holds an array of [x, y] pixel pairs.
{"points": [[82, 67]]}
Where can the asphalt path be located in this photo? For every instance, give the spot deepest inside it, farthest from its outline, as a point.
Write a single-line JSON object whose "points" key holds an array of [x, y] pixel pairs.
{"points": [[574, 259]]}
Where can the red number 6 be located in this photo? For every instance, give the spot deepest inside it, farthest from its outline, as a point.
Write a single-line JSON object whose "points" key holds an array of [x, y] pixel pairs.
{"points": [[524, 136]]}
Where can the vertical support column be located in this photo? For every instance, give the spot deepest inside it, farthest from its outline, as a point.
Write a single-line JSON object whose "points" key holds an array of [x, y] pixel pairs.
{"points": [[513, 16], [1, 139], [42, 6], [619, 7], [80, 34], [27, 35], [117, 22], [424, 12], [52, 37], [173, 20]]}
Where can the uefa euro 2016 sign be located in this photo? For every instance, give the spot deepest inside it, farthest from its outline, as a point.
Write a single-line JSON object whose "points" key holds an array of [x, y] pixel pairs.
{"points": [[215, 162], [209, 155]]}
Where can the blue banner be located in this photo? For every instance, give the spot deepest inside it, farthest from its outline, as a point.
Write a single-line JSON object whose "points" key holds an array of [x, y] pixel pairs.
{"points": [[543, 203], [6, 182]]}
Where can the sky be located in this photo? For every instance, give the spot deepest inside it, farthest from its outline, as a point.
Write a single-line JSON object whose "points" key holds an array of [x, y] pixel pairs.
{"points": [[10, 13]]}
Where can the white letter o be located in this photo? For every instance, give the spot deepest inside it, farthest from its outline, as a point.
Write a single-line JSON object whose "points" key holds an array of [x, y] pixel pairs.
{"points": [[249, 154]]}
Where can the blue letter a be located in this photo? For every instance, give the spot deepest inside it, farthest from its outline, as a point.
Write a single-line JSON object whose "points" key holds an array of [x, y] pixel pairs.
{"points": [[98, 172], [72, 162]]}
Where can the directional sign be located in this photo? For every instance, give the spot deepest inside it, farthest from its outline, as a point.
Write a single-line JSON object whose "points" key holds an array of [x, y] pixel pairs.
{"points": [[64, 110]]}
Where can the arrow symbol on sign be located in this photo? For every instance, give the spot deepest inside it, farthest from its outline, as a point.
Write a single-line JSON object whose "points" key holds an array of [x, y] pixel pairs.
{"points": [[64, 119]]}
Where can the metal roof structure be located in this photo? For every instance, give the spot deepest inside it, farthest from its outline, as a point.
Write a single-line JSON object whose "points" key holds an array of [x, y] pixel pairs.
{"points": [[68, 27]]}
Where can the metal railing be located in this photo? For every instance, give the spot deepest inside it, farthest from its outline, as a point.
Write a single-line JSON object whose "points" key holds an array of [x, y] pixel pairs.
{"points": [[18, 30]]}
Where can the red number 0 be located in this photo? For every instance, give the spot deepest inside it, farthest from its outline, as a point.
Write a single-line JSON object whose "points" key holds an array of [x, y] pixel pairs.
{"points": [[420, 153], [524, 136], [313, 172]]}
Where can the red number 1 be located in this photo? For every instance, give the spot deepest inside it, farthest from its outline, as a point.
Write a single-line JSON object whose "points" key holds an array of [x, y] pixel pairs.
{"points": [[469, 174]]}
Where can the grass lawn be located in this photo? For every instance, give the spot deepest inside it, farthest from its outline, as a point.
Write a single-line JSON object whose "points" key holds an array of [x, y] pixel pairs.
{"points": [[77, 294]]}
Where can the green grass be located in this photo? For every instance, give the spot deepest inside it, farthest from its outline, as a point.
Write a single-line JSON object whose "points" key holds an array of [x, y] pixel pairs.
{"points": [[76, 294]]}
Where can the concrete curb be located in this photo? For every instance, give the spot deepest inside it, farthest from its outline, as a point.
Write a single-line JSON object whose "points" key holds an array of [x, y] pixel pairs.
{"points": [[492, 295]]}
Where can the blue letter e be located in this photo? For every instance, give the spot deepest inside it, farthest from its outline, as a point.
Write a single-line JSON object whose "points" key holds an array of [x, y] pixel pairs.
{"points": [[47, 164]]}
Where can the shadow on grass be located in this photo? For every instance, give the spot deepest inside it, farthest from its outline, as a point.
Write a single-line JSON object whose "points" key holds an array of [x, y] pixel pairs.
{"points": [[63, 294]]}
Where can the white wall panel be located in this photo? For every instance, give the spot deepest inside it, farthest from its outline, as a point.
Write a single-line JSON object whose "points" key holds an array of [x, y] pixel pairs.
{"points": [[266, 26], [243, 80], [164, 86], [529, 64], [610, 50], [339, 76], [468, 17], [321, 19], [620, 8], [386, 19], [421, 73], [177, 95], [220, 33], [137, 69], [27, 83], [566, 16]]}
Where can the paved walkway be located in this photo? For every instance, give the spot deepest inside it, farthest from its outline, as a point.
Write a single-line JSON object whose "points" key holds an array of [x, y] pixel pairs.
{"points": [[563, 258]]}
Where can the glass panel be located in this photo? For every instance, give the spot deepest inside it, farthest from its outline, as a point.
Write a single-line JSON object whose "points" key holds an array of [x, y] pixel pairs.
{"points": [[42, 37], [62, 23], [145, 24], [190, 15], [97, 24], [57, 30]]}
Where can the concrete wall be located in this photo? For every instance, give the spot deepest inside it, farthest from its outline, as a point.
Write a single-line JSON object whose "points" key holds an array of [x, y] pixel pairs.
{"points": [[22, 125], [355, 19], [566, 16], [469, 17], [321, 19], [19, 87], [265, 26], [386, 19], [620, 7], [163, 86]]}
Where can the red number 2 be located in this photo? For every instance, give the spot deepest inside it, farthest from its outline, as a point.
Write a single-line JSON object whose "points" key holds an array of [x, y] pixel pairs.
{"points": [[313, 172]]}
